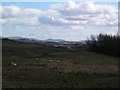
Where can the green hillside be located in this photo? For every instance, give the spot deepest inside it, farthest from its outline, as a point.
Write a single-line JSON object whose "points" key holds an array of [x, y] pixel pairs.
{"points": [[43, 66]]}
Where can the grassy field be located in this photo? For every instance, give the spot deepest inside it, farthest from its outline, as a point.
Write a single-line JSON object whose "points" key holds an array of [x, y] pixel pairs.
{"points": [[42, 66]]}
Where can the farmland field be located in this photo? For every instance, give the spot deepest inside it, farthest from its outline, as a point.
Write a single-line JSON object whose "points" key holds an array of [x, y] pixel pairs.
{"points": [[43, 66]]}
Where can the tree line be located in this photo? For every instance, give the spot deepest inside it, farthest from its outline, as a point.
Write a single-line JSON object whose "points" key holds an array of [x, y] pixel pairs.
{"points": [[104, 43]]}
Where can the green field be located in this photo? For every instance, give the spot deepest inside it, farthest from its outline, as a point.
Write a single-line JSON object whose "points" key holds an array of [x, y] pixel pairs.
{"points": [[42, 66]]}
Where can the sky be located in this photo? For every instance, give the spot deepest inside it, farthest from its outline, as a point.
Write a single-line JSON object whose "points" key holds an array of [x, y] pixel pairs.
{"points": [[72, 21]]}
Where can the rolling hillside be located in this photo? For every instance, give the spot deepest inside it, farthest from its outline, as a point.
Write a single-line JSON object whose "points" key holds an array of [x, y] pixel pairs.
{"points": [[44, 66]]}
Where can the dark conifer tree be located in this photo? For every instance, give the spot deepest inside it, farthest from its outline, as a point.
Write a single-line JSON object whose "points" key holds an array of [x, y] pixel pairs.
{"points": [[106, 44]]}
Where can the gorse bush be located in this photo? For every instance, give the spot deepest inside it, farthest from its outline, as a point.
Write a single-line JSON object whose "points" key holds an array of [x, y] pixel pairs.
{"points": [[104, 43]]}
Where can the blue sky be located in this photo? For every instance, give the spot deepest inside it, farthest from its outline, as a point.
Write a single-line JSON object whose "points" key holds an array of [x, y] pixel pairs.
{"points": [[36, 5], [49, 19], [44, 5]]}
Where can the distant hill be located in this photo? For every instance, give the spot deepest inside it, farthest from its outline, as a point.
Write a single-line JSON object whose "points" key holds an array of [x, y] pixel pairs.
{"points": [[47, 40], [18, 38], [55, 40]]}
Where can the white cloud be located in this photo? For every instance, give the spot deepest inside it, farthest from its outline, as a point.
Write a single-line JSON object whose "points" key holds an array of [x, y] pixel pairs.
{"points": [[15, 11], [16, 17], [69, 15], [93, 14]]}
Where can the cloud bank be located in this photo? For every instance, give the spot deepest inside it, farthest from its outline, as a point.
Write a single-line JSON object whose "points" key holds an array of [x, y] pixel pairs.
{"points": [[68, 15]]}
